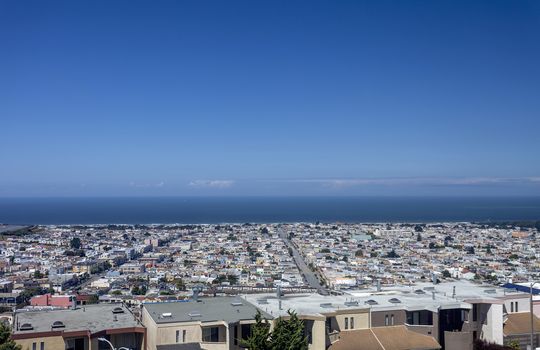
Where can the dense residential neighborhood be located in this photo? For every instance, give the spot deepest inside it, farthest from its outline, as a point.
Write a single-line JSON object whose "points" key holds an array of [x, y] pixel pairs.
{"points": [[439, 286]]}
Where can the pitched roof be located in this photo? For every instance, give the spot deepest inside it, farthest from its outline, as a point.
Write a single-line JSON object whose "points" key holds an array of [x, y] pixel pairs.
{"points": [[520, 323], [384, 338]]}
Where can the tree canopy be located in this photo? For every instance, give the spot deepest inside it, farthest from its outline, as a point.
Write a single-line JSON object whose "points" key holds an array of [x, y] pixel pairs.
{"points": [[288, 334]]}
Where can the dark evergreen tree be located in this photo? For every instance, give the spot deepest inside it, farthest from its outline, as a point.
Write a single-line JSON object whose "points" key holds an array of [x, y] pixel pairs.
{"points": [[260, 335], [289, 334], [6, 343]]}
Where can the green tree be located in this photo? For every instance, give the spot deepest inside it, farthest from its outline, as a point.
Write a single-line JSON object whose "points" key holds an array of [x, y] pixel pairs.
{"points": [[259, 338], [180, 285], [75, 243], [289, 334], [6, 343]]}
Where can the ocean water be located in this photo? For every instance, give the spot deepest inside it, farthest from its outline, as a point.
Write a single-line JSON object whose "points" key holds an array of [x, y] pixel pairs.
{"points": [[265, 209]]}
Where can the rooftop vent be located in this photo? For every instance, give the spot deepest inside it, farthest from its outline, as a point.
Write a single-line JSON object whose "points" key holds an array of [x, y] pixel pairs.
{"points": [[351, 303], [395, 301], [118, 310], [419, 291], [166, 314], [490, 291], [26, 327], [326, 305], [194, 314], [371, 302], [237, 303], [58, 324]]}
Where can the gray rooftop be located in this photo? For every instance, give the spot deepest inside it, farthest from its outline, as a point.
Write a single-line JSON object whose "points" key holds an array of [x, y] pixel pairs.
{"points": [[227, 309], [94, 318]]}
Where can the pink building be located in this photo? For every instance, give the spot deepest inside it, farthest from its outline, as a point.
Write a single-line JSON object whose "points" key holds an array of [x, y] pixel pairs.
{"points": [[64, 301]]}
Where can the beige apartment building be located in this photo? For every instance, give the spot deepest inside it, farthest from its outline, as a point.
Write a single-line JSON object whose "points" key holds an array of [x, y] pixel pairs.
{"points": [[213, 323], [79, 328]]}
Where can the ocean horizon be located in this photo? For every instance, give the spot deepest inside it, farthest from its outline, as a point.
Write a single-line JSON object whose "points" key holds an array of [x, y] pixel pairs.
{"points": [[212, 210]]}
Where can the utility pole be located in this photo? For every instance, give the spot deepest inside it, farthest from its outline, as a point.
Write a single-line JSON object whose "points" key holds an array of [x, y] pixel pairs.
{"points": [[532, 315]]}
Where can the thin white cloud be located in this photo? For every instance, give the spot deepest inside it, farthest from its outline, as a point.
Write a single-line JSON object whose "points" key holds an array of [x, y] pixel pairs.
{"points": [[440, 181], [147, 185], [211, 183]]}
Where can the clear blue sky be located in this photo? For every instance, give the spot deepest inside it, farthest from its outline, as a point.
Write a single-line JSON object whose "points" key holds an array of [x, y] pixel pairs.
{"points": [[269, 97]]}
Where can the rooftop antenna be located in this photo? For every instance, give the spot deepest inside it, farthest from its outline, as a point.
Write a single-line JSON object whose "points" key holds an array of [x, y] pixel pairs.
{"points": [[196, 291], [278, 292]]}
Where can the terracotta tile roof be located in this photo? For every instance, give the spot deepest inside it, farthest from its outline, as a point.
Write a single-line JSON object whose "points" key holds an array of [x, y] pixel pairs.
{"points": [[384, 338], [520, 323]]}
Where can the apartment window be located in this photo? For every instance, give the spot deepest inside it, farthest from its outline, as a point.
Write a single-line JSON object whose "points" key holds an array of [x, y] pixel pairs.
{"points": [[42, 346], [392, 319], [245, 330], [423, 317], [464, 315], [475, 312], [516, 306], [511, 306], [352, 322], [34, 346], [386, 320], [177, 337], [184, 336], [235, 336], [211, 334], [346, 323], [328, 324]]}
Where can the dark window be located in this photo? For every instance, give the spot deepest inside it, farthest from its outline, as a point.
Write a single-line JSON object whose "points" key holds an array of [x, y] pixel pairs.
{"points": [[346, 323], [423, 317], [475, 312], [328, 325], [211, 334], [352, 322], [235, 335], [246, 331]]}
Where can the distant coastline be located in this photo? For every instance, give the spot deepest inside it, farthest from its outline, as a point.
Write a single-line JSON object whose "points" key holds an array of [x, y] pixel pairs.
{"points": [[212, 210]]}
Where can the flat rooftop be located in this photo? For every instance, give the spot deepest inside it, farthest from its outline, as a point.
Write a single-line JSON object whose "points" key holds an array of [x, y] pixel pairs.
{"points": [[229, 309], [95, 318], [419, 296], [464, 290]]}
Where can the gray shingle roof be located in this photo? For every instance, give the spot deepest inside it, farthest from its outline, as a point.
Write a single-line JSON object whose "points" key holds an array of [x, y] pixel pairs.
{"points": [[94, 318], [227, 309]]}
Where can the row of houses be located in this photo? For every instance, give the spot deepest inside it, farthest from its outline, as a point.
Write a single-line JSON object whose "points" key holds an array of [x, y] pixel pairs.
{"points": [[420, 316]]}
